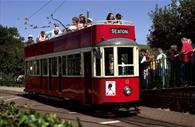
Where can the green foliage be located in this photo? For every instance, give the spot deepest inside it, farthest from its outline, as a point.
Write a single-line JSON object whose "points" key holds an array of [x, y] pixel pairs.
{"points": [[11, 116], [11, 52], [171, 23]]}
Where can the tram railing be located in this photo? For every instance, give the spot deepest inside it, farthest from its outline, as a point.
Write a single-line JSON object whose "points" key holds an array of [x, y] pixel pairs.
{"points": [[177, 74], [114, 22]]}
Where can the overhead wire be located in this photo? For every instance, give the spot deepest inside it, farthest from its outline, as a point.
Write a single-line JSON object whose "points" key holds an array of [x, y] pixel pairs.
{"points": [[39, 9], [58, 7]]}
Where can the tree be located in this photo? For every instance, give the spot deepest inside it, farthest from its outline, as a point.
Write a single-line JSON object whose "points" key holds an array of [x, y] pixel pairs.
{"points": [[11, 52], [171, 23], [187, 17]]}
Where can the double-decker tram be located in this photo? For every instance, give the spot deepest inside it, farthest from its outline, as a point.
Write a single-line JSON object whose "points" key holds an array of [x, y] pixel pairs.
{"points": [[97, 65]]}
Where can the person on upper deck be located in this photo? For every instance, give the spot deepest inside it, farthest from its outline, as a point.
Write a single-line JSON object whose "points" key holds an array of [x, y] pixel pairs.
{"points": [[74, 25], [30, 40], [110, 18], [89, 22], [118, 19], [42, 36], [57, 31], [82, 21]]}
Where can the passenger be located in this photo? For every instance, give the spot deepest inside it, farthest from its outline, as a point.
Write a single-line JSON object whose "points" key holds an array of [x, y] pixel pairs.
{"points": [[74, 26], [42, 36], [82, 21], [57, 31], [111, 66], [30, 40], [123, 71], [110, 18], [49, 34], [118, 19], [89, 22]]}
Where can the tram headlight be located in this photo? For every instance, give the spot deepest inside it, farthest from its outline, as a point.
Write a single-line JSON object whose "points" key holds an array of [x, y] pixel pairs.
{"points": [[127, 90]]}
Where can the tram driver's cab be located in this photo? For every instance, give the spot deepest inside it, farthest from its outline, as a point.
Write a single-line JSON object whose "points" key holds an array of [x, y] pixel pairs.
{"points": [[116, 57]]}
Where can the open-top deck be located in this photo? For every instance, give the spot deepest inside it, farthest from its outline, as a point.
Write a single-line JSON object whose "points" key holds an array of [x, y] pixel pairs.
{"points": [[87, 37]]}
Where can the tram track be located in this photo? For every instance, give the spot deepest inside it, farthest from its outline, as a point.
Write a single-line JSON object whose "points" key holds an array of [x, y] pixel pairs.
{"points": [[132, 120], [147, 122], [66, 111]]}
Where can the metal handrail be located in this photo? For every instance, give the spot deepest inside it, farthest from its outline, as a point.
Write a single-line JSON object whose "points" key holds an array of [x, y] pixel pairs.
{"points": [[114, 22]]}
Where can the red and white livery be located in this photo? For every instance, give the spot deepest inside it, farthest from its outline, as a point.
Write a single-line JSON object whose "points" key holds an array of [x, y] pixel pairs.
{"points": [[96, 65]]}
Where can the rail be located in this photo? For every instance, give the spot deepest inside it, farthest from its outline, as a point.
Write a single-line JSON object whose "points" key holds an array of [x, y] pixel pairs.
{"points": [[113, 22], [176, 74]]}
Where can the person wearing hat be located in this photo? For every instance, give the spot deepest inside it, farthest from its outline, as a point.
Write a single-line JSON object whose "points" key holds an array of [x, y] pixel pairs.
{"points": [[89, 22], [30, 40], [57, 31]]}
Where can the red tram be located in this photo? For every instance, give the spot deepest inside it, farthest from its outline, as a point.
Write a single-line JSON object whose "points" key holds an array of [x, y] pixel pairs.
{"points": [[96, 65]]}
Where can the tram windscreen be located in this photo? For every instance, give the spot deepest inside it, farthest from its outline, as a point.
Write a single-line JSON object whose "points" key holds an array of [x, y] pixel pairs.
{"points": [[109, 61], [125, 61]]}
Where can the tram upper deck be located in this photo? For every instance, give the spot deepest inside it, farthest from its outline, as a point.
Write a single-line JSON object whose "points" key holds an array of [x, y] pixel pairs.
{"points": [[87, 37]]}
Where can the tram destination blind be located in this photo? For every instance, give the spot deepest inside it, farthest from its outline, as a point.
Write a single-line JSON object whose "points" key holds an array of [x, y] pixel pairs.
{"points": [[119, 31]]}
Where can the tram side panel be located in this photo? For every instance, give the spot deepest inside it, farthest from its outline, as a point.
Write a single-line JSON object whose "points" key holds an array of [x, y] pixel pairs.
{"points": [[32, 84], [73, 88]]}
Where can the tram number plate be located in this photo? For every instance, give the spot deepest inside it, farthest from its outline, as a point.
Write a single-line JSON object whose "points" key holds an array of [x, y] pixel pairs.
{"points": [[119, 31]]}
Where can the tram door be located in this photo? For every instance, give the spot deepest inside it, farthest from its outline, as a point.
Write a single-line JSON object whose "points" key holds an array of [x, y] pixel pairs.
{"points": [[88, 77]]}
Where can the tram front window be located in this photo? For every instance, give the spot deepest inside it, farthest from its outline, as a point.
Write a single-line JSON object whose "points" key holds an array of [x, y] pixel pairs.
{"points": [[109, 61], [125, 61]]}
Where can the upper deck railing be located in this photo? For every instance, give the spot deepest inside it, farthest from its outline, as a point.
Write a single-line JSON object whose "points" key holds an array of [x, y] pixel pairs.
{"points": [[114, 22]]}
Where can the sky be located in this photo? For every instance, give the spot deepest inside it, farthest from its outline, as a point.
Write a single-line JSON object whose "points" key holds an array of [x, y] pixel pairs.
{"points": [[14, 12]]}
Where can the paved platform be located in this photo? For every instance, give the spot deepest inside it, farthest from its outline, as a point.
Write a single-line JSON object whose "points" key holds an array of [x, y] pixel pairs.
{"points": [[166, 115], [17, 89], [178, 118]]}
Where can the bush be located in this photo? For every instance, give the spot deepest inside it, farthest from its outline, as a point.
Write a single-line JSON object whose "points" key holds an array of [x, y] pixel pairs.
{"points": [[11, 116]]}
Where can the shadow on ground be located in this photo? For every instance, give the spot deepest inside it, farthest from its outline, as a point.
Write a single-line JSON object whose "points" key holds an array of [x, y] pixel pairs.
{"points": [[74, 106]]}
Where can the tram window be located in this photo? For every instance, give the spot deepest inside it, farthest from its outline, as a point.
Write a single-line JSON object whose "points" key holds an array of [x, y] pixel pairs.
{"points": [[109, 61], [64, 65], [125, 61], [125, 55], [54, 66], [29, 68], [74, 64], [126, 70], [36, 69], [98, 67], [44, 67]]}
